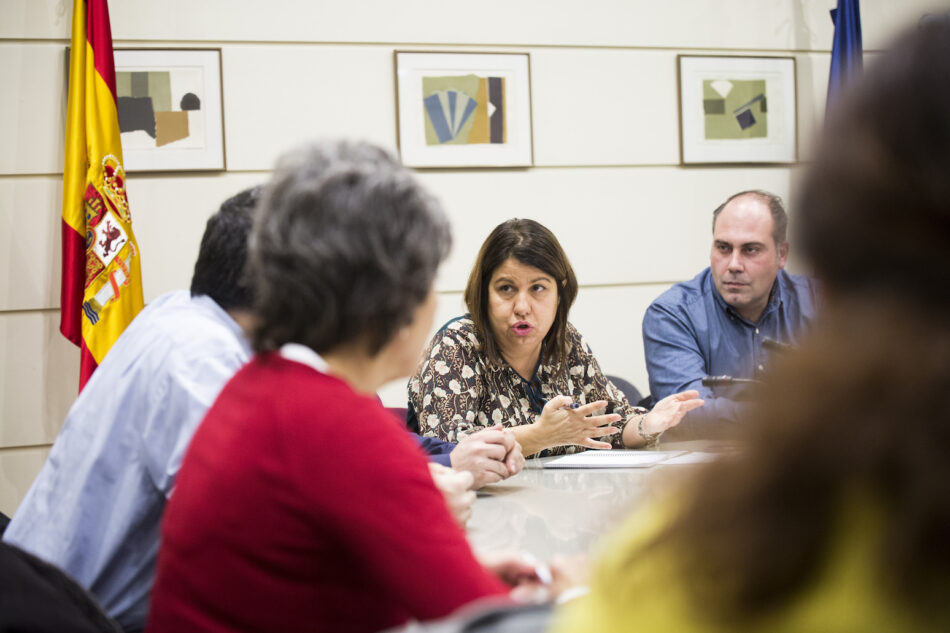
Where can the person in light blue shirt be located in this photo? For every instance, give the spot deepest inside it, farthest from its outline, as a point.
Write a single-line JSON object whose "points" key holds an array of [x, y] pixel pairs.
{"points": [[716, 323], [95, 508]]}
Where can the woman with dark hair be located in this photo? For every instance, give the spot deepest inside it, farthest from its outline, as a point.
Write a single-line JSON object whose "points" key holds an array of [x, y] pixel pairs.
{"points": [[837, 516], [302, 504], [515, 360]]}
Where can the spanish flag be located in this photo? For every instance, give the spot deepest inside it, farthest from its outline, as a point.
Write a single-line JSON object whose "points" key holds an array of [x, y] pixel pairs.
{"points": [[102, 280]]}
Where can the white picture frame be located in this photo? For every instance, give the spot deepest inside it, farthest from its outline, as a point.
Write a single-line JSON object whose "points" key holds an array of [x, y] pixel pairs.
{"points": [[447, 114], [170, 105], [739, 110]]}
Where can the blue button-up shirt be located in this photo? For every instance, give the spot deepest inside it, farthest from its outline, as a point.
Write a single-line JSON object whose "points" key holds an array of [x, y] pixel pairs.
{"points": [[95, 509], [690, 332]]}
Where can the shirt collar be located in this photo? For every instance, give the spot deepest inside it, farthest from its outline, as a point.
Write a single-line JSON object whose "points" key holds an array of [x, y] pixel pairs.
{"points": [[223, 315], [305, 356]]}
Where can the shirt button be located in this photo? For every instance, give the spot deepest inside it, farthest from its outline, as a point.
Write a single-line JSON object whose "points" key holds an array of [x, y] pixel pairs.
{"points": [[756, 330], [761, 367]]}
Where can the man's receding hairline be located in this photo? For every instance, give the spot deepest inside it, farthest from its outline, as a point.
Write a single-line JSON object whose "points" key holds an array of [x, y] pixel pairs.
{"points": [[764, 200]]}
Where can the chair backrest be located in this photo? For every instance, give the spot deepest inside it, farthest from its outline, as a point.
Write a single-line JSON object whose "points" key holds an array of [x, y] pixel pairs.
{"points": [[633, 394], [40, 598]]}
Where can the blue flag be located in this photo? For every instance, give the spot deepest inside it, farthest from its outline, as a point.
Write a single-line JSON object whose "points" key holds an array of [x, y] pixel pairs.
{"points": [[846, 50]]}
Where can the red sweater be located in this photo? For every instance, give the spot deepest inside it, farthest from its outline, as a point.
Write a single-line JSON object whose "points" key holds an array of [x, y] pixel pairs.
{"points": [[303, 506]]}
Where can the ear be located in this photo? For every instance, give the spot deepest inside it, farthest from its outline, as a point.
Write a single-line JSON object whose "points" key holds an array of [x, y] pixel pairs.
{"points": [[782, 254]]}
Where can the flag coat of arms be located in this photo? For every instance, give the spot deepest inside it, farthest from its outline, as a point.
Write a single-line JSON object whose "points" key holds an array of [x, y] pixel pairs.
{"points": [[102, 282]]}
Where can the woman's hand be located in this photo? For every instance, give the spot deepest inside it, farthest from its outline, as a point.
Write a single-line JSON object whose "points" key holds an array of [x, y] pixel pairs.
{"points": [[560, 424], [669, 411]]}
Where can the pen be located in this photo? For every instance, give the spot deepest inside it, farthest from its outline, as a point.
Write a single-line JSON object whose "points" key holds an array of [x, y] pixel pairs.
{"points": [[541, 570], [573, 405]]}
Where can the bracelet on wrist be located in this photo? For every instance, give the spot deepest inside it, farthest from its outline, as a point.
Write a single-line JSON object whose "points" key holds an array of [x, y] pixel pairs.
{"points": [[651, 439]]}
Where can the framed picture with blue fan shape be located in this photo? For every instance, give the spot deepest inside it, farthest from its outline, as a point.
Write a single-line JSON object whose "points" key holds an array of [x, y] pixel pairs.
{"points": [[738, 110], [463, 109]]}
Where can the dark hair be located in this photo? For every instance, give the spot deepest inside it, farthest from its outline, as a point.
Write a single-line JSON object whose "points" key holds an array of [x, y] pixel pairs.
{"points": [[345, 247], [220, 267], [875, 206], [534, 245], [855, 424], [859, 416], [776, 209]]}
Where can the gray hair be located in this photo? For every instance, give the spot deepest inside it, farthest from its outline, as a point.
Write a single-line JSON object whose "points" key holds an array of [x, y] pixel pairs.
{"points": [[344, 248], [776, 208]]}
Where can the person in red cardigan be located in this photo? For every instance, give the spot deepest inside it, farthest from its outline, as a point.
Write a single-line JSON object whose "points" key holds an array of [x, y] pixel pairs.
{"points": [[303, 505]]}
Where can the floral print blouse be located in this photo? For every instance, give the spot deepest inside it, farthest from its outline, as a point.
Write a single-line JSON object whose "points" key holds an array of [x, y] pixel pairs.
{"points": [[457, 391]]}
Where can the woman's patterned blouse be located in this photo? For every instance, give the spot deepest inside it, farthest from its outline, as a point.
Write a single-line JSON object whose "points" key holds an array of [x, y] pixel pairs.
{"points": [[457, 391]]}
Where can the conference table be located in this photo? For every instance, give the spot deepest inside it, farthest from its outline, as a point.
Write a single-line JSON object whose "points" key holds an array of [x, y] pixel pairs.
{"points": [[546, 511]]}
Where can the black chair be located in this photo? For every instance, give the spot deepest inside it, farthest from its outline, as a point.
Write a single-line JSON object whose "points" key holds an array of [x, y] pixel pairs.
{"points": [[36, 597], [4, 522], [633, 394]]}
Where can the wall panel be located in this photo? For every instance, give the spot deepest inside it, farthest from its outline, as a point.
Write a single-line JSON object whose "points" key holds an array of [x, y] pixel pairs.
{"points": [[39, 377], [169, 213], [33, 103], [18, 468], [618, 225], [765, 24], [30, 238], [278, 96]]}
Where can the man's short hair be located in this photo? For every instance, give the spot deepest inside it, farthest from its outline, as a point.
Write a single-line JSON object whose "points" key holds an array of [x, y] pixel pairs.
{"points": [[776, 208], [219, 269]]}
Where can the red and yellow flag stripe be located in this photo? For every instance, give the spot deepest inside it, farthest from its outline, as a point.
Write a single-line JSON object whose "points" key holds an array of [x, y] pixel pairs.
{"points": [[102, 281]]}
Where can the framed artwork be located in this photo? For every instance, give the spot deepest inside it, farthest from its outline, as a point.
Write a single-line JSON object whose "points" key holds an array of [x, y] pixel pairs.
{"points": [[737, 109], [463, 109], [170, 108]]}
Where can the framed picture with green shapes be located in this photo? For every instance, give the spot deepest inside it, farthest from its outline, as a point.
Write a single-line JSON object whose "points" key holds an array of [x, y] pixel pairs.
{"points": [[170, 104], [739, 110], [458, 109]]}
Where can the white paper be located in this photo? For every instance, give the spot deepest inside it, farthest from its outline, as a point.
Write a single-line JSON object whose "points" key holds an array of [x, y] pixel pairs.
{"points": [[612, 459], [697, 457]]}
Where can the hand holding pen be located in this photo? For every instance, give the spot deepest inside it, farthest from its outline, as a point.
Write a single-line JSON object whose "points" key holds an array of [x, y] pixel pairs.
{"points": [[533, 581], [563, 421]]}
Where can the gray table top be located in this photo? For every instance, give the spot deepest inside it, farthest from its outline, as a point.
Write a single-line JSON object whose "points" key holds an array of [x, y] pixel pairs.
{"points": [[545, 512]]}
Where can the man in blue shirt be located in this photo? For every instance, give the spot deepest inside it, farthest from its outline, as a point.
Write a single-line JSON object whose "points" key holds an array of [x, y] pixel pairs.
{"points": [[95, 509], [715, 324]]}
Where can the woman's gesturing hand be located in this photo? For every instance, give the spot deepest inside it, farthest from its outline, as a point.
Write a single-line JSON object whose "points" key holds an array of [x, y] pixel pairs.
{"points": [[560, 423], [669, 411]]}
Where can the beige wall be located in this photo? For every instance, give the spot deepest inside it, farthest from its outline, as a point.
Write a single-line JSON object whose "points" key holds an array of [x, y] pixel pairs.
{"points": [[605, 179]]}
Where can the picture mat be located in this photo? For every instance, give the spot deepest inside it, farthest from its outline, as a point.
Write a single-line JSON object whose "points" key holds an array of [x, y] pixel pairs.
{"points": [[612, 459], [779, 146], [513, 67], [197, 154]]}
